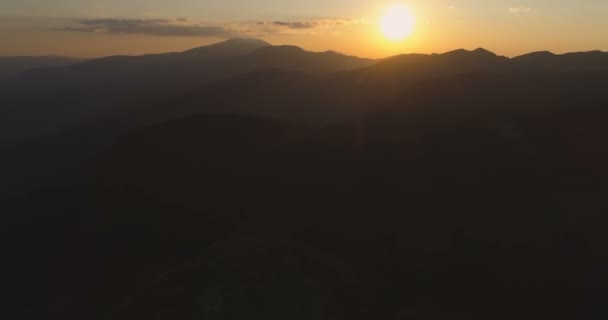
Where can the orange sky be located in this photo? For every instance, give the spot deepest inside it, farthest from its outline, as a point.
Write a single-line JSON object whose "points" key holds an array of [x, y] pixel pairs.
{"points": [[505, 27]]}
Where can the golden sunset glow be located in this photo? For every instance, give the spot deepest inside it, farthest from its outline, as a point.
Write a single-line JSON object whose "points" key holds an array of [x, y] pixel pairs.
{"points": [[397, 23], [371, 29]]}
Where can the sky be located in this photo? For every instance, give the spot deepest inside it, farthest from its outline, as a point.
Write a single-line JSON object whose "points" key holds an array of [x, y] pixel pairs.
{"points": [[93, 28]]}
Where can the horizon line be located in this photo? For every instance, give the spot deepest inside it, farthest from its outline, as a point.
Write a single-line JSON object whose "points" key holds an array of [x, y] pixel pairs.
{"points": [[307, 50]]}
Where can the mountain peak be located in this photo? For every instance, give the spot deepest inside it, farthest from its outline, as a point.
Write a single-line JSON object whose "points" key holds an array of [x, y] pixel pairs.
{"points": [[536, 55], [235, 46], [594, 53], [334, 52], [476, 52], [483, 51], [279, 50], [250, 41], [289, 48]]}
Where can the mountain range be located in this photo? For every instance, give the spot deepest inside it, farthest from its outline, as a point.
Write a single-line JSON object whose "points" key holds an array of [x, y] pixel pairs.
{"points": [[251, 77], [16, 65], [245, 180], [66, 97]]}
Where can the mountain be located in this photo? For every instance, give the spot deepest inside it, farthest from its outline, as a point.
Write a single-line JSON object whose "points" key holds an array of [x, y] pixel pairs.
{"points": [[250, 77], [443, 186], [485, 174], [348, 94], [13, 66], [456, 61], [128, 73], [285, 57], [64, 98], [547, 61], [231, 47], [178, 71]]}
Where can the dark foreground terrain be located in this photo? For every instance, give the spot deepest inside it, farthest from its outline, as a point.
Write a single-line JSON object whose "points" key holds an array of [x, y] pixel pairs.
{"points": [[297, 185]]}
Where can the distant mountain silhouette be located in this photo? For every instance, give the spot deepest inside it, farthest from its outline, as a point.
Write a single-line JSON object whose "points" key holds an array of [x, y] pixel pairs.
{"points": [[13, 66], [250, 77], [100, 89], [348, 94], [547, 61], [172, 71], [296, 59], [247, 180], [232, 47], [95, 89], [463, 185], [128, 72]]}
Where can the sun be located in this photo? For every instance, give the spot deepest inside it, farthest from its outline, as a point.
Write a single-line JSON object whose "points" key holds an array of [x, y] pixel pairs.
{"points": [[397, 23]]}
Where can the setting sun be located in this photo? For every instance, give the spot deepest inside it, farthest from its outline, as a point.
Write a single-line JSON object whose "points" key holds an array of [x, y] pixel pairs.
{"points": [[397, 23]]}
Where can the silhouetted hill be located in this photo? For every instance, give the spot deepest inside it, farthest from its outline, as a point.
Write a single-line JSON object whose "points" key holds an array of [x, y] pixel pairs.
{"points": [[346, 95], [129, 73], [64, 98], [179, 71], [438, 186], [296, 59], [232, 47], [471, 79], [13, 66], [425, 196], [547, 61], [247, 180], [275, 93], [455, 61], [416, 67]]}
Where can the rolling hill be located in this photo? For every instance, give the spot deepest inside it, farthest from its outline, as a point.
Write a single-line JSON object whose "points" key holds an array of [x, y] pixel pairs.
{"points": [[14, 66], [241, 174]]}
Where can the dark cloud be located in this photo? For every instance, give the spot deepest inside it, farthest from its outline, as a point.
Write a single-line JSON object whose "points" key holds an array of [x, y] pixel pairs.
{"points": [[296, 25], [76, 29], [187, 28], [156, 27], [315, 24]]}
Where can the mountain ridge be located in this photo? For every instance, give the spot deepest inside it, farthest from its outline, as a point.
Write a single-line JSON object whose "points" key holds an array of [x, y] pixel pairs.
{"points": [[108, 87], [246, 46]]}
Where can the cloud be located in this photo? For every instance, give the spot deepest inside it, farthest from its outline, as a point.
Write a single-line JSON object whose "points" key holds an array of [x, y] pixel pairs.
{"points": [[295, 25], [76, 29], [313, 26], [187, 28], [517, 10], [155, 27]]}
